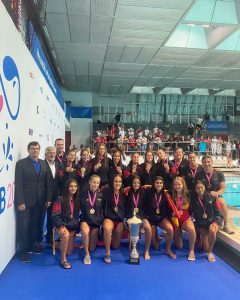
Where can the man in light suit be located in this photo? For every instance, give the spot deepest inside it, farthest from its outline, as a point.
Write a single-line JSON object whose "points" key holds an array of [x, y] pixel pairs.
{"points": [[52, 172], [31, 196]]}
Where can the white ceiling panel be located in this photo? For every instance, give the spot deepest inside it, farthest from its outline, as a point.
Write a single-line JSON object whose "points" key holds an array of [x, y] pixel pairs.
{"points": [[95, 68], [82, 67], [112, 45], [56, 6], [104, 89], [58, 25], [103, 7], [141, 81], [122, 69], [78, 7], [175, 71], [150, 70], [147, 13], [114, 89], [233, 74], [79, 28], [139, 34], [218, 59], [148, 42], [114, 53], [184, 83], [94, 80], [176, 56], [145, 55], [67, 67], [100, 29], [124, 89], [173, 4], [202, 73], [147, 25], [164, 81], [77, 51], [82, 80], [115, 80], [130, 54]]}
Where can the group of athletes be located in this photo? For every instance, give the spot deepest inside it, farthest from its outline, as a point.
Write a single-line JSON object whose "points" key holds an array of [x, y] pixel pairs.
{"points": [[175, 195]]}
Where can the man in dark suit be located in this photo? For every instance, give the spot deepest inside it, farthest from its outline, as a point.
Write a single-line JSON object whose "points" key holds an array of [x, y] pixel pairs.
{"points": [[61, 155], [31, 192], [52, 171]]}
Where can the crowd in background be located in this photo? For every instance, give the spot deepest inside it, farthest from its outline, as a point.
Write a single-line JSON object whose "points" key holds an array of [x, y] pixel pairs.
{"points": [[142, 139]]}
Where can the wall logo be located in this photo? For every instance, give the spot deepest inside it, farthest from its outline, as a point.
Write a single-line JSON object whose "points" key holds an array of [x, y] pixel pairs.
{"points": [[10, 96]]}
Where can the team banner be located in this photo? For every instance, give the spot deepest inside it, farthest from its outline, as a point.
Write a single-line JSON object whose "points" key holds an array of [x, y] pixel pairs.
{"points": [[29, 110]]}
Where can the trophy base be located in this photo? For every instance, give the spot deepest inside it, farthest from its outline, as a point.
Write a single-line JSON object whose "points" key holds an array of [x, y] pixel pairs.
{"points": [[134, 260]]}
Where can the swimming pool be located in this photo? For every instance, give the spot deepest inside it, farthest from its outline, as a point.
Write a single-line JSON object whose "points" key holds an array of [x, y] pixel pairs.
{"points": [[232, 191]]}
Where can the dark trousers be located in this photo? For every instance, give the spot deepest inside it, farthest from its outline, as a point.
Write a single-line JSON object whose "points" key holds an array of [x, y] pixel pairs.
{"points": [[28, 227], [49, 225]]}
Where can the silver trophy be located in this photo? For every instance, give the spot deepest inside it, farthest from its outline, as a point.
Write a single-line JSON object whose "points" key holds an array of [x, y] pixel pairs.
{"points": [[134, 225]]}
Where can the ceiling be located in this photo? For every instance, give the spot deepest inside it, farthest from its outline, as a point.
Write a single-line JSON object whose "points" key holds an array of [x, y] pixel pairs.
{"points": [[111, 46]]}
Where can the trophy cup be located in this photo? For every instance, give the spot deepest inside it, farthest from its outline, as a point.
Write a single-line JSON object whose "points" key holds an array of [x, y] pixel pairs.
{"points": [[134, 226]]}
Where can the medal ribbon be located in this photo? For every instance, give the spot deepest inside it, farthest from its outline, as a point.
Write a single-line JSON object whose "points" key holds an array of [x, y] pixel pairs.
{"points": [[179, 202], [70, 164], [116, 199], [92, 200], [204, 208], [59, 159], [71, 203], [176, 165], [209, 177], [194, 171], [136, 200], [158, 200]]}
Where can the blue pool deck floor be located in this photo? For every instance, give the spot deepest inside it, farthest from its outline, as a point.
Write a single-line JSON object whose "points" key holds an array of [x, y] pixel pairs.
{"points": [[159, 278]]}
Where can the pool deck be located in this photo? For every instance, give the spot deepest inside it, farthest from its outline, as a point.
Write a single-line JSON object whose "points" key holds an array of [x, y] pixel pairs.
{"points": [[232, 240]]}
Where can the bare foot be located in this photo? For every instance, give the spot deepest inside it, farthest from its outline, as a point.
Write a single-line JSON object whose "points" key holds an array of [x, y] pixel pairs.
{"points": [[171, 254], [146, 255]]}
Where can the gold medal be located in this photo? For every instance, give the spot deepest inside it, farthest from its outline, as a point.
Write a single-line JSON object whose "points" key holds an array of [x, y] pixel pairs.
{"points": [[136, 210], [92, 211], [116, 209], [204, 216], [158, 211]]}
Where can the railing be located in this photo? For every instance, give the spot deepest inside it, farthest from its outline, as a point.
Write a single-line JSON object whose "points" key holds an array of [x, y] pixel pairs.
{"points": [[139, 147]]}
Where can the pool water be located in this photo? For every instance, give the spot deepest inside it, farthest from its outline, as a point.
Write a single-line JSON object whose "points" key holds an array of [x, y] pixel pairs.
{"points": [[232, 191]]}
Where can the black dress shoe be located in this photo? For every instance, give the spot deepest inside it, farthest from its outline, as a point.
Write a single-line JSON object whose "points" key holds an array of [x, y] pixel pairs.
{"points": [[36, 249], [24, 257]]}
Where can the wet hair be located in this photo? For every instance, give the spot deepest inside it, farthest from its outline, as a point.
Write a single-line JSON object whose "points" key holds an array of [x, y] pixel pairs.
{"points": [[120, 161], [185, 192], [200, 182], [156, 179], [149, 151], [66, 198], [94, 176]]}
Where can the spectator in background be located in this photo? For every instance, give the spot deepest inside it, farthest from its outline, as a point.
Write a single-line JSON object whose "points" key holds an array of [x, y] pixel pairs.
{"points": [[190, 129], [118, 118]]}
